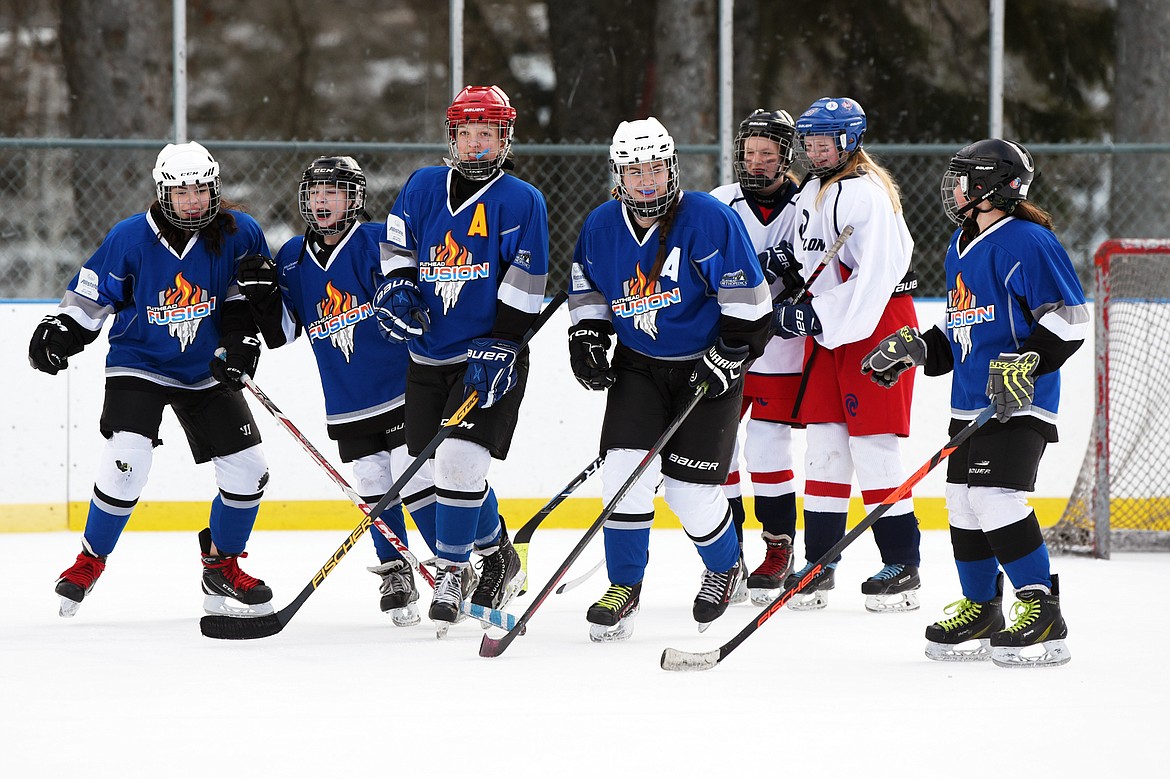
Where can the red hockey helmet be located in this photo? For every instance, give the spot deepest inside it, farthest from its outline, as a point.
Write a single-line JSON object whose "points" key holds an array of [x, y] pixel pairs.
{"points": [[488, 105]]}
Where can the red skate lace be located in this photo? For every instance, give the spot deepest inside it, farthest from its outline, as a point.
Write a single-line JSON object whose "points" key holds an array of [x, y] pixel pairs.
{"points": [[232, 572], [775, 560], [85, 571]]}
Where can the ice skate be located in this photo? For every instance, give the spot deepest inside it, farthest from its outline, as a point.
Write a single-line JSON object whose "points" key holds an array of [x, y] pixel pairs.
{"points": [[453, 584], [223, 579], [970, 622], [611, 618], [893, 588], [1035, 639], [715, 594], [740, 593], [399, 595], [814, 596], [501, 576], [764, 583], [77, 581]]}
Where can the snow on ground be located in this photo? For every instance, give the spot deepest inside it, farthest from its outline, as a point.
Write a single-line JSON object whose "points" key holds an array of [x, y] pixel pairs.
{"points": [[129, 687]]}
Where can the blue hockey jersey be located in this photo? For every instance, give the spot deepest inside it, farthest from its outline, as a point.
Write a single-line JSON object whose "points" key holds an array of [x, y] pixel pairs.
{"points": [[167, 304]]}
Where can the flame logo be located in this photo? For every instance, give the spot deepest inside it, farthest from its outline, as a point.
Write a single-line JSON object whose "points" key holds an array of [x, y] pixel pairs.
{"points": [[184, 293], [451, 253], [960, 298], [637, 285], [335, 301]]}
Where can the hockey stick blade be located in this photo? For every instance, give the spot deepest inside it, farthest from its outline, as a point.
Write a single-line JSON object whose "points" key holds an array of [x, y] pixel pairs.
{"points": [[494, 647], [681, 660], [573, 583], [524, 534]]}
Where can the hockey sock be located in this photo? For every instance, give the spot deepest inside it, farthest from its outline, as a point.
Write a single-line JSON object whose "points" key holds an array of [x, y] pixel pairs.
{"points": [[231, 522], [737, 516], [1022, 553], [976, 564], [489, 528], [721, 552], [392, 516], [424, 519], [456, 518], [898, 539], [105, 523], [778, 514], [822, 529], [627, 547]]}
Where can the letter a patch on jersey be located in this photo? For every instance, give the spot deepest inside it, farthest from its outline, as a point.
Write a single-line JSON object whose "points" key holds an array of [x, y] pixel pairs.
{"points": [[479, 225]]}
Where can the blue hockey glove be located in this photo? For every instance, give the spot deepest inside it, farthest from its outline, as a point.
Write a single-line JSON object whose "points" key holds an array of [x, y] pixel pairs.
{"points": [[401, 311], [895, 355], [720, 368], [491, 368], [779, 263], [795, 320], [1010, 383], [238, 354], [589, 354]]}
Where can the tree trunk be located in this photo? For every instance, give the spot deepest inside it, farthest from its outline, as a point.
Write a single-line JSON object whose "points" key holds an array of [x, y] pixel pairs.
{"points": [[685, 66]]}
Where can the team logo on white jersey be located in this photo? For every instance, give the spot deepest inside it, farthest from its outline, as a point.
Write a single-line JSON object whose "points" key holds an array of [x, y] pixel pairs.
{"points": [[449, 267], [181, 308], [337, 313], [963, 312], [641, 301]]}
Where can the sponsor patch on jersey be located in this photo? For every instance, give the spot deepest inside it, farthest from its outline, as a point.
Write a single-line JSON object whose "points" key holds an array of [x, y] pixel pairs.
{"points": [[396, 230], [523, 259], [733, 279], [577, 279], [87, 284]]}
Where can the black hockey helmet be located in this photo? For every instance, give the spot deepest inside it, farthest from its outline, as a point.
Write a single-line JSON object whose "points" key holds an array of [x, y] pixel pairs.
{"points": [[344, 174], [775, 126], [993, 170]]}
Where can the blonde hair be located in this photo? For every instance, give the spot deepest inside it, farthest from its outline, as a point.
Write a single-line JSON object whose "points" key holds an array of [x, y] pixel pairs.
{"points": [[859, 165]]}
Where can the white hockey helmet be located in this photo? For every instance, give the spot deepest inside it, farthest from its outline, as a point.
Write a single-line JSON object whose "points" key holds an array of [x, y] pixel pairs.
{"points": [[180, 165], [638, 142]]}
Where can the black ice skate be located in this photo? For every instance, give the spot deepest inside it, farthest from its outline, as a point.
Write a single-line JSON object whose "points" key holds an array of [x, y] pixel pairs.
{"points": [[814, 595], [453, 583], [77, 581], [1036, 622], [764, 583], [501, 576], [715, 594], [971, 622], [223, 579], [399, 595], [893, 588], [611, 618], [740, 593]]}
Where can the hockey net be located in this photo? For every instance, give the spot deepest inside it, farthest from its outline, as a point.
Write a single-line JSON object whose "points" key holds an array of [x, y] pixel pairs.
{"points": [[1121, 501]]}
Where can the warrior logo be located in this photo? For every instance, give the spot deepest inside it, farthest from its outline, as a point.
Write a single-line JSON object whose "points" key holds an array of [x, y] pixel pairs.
{"points": [[181, 309], [642, 300], [450, 267], [337, 313], [963, 311]]}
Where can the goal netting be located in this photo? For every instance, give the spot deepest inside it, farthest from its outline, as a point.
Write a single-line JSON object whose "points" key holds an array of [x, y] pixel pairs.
{"points": [[1121, 501]]}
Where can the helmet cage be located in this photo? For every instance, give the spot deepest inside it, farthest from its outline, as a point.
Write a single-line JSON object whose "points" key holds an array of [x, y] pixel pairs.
{"points": [[639, 142], [839, 118], [183, 165], [775, 126], [998, 172], [484, 105], [341, 173]]}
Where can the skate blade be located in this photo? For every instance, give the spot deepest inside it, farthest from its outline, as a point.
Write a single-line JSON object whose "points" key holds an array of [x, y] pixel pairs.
{"points": [[405, 617], [68, 607], [762, 597], [1051, 654], [624, 629], [892, 602], [217, 605], [738, 595], [952, 653], [812, 601]]}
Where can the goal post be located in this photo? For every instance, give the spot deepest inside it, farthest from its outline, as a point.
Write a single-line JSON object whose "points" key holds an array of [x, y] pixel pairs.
{"points": [[1121, 500]]}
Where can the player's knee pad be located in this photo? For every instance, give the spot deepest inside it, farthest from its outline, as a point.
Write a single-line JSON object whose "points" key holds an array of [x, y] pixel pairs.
{"points": [[461, 466], [372, 474], [960, 515], [242, 475], [998, 507], [768, 447], [619, 464], [877, 460], [701, 508], [124, 466], [827, 456]]}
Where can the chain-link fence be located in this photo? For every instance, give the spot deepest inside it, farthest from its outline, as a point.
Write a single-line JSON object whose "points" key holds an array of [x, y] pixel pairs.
{"points": [[58, 198]]}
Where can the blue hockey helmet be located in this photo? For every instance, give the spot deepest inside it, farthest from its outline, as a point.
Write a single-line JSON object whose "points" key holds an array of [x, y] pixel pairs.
{"points": [[839, 118]]}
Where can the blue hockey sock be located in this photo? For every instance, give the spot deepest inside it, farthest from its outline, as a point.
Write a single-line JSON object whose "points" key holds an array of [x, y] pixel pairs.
{"points": [[977, 578], [487, 531], [1033, 568], [392, 516], [231, 526], [456, 519], [105, 523], [627, 547], [722, 552], [424, 520]]}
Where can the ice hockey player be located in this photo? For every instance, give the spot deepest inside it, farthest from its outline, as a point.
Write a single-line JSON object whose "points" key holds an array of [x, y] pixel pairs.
{"points": [[763, 197], [674, 277], [167, 277], [322, 283], [466, 259], [851, 426], [1015, 313]]}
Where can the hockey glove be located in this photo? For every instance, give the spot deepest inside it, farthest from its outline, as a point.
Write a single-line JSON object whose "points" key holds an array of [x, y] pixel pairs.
{"points": [[491, 368], [53, 343], [401, 311], [720, 368], [589, 354], [237, 355], [895, 355], [779, 263], [1010, 383], [256, 277], [795, 320]]}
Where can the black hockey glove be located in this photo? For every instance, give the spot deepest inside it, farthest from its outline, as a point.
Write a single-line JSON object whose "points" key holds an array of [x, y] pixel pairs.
{"points": [[1010, 383], [401, 311], [491, 369], [795, 320], [779, 263], [238, 355], [589, 354], [53, 343], [256, 277], [895, 355], [720, 368]]}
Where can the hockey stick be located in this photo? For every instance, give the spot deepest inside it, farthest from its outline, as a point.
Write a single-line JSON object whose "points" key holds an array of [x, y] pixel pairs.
{"points": [[524, 534], [798, 295], [223, 627], [580, 579], [494, 647], [679, 660]]}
